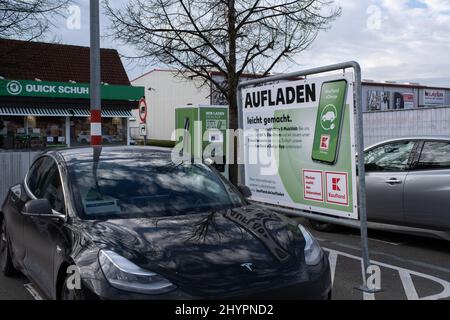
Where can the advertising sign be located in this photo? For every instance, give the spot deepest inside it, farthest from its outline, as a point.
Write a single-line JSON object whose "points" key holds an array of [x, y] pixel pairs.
{"points": [[433, 97], [399, 102], [378, 100], [303, 134], [66, 90], [408, 100]]}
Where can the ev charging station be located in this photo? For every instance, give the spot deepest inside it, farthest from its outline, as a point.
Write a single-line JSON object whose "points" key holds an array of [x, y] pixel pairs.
{"points": [[204, 130]]}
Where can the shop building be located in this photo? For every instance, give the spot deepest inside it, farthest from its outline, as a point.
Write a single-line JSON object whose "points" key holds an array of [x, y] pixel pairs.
{"points": [[45, 101], [394, 110]]}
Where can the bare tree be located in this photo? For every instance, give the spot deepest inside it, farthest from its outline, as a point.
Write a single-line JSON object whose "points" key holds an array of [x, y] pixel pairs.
{"points": [[28, 19], [232, 37]]}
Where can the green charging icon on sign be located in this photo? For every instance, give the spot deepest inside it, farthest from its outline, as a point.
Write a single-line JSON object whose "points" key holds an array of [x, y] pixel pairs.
{"points": [[329, 116]]}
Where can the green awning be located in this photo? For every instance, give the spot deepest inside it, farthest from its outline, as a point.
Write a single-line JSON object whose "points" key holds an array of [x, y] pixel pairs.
{"points": [[63, 112]]}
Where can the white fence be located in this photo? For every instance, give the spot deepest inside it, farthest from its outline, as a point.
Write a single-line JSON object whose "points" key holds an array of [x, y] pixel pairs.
{"points": [[13, 167], [384, 125]]}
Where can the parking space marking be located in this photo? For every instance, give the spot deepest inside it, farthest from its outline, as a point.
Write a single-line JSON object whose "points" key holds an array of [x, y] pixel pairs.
{"points": [[332, 257], [34, 293], [405, 276], [408, 285], [420, 264], [389, 242]]}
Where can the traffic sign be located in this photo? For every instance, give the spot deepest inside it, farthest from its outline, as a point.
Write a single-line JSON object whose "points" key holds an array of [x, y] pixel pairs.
{"points": [[143, 110]]}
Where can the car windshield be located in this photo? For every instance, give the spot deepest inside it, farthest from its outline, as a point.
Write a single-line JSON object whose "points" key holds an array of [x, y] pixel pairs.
{"points": [[147, 187]]}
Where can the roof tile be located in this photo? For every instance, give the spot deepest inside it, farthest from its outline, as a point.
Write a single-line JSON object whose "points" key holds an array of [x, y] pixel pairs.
{"points": [[22, 60]]}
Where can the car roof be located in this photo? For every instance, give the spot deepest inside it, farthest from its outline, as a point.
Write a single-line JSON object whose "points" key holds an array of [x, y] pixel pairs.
{"points": [[112, 153], [426, 138]]}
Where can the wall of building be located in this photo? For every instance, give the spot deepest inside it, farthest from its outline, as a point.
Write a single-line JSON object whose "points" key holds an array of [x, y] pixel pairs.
{"points": [[417, 118], [384, 125], [164, 91], [389, 91]]}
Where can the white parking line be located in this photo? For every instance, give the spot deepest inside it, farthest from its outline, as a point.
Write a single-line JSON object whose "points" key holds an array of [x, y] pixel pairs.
{"points": [[34, 293], [389, 242], [332, 257], [410, 290], [405, 276]]}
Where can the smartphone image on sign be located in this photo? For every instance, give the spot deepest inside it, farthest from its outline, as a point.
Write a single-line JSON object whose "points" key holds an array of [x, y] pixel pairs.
{"points": [[330, 115]]}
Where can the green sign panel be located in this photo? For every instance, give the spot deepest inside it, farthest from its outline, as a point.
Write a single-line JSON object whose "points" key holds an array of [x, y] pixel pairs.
{"points": [[329, 121], [45, 89], [299, 145]]}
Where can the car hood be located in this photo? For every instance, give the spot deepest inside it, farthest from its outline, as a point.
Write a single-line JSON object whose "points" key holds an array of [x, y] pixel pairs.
{"points": [[210, 253]]}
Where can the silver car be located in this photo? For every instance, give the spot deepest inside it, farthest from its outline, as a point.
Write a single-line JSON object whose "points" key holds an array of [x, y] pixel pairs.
{"points": [[408, 186]]}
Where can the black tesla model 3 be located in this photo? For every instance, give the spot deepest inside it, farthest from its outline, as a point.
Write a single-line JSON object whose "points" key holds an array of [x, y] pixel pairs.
{"points": [[132, 223]]}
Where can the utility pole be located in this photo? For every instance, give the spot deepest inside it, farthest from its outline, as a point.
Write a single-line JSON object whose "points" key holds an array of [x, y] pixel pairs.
{"points": [[95, 89]]}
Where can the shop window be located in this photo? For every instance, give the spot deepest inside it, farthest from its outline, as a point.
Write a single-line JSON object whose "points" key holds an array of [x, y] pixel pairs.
{"points": [[113, 131], [12, 133], [46, 132]]}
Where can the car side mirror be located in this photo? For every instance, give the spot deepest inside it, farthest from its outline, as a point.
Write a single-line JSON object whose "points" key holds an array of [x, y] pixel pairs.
{"points": [[38, 208], [246, 192], [219, 167]]}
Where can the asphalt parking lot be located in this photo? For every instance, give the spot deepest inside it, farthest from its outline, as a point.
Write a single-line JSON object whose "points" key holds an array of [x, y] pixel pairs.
{"points": [[411, 267]]}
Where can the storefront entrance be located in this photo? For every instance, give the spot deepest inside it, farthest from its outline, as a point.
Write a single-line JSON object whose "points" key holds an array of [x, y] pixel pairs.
{"points": [[39, 131]]}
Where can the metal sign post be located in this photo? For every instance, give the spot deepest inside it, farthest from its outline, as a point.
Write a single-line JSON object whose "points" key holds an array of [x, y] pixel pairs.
{"points": [[143, 112], [95, 86], [360, 150]]}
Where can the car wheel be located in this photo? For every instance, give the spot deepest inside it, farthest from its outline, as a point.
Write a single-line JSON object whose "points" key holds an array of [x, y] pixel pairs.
{"points": [[6, 263], [322, 226], [72, 294]]}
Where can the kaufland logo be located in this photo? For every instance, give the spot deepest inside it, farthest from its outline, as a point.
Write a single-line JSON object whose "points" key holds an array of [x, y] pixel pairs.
{"points": [[335, 184], [14, 88]]}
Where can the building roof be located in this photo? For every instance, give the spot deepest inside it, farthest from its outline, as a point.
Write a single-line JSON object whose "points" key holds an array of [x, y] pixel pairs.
{"points": [[22, 60], [401, 85]]}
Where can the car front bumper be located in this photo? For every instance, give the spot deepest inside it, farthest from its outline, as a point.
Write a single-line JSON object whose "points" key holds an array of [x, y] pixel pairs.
{"points": [[316, 286]]}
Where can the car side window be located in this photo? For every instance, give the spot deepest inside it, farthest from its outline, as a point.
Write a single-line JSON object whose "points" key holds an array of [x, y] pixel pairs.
{"points": [[37, 176], [435, 155], [52, 189], [389, 157]]}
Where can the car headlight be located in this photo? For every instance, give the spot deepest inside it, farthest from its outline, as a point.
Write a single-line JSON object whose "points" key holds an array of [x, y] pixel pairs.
{"points": [[313, 252], [125, 275]]}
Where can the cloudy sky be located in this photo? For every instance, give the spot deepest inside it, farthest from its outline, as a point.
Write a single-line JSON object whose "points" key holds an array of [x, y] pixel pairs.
{"points": [[402, 40]]}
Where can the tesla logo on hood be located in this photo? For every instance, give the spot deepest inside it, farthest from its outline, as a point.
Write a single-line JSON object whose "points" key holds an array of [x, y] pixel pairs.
{"points": [[248, 266]]}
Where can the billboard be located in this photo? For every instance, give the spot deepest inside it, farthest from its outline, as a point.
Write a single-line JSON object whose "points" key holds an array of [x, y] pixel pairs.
{"points": [[378, 100], [408, 100], [302, 134], [433, 97]]}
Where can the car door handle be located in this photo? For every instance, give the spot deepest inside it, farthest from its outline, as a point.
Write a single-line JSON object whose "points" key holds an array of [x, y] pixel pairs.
{"points": [[394, 181]]}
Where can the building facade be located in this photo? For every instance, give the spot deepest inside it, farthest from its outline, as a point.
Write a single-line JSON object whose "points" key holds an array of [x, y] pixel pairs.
{"points": [[165, 90], [393, 110], [45, 101]]}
